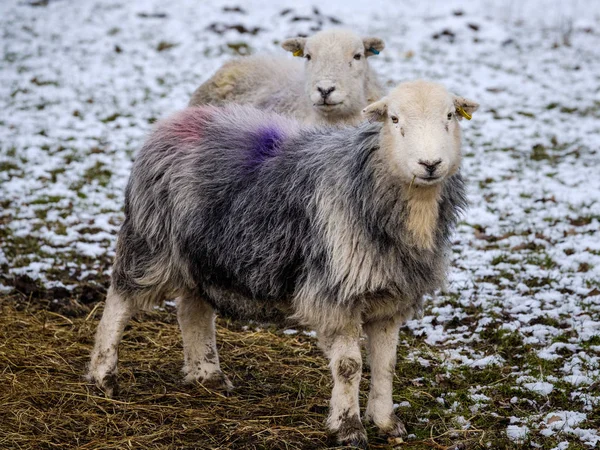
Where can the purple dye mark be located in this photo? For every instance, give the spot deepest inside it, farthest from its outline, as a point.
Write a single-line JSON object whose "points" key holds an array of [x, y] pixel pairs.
{"points": [[187, 126], [264, 144]]}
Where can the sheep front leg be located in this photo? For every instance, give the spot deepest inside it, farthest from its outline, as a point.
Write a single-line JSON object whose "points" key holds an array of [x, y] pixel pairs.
{"points": [[201, 360], [382, 342], [102, 369], [345, 363]]}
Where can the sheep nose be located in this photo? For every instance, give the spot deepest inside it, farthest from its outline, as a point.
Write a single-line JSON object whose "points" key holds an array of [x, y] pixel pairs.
{"points": [[430, 166], [325, 91]]}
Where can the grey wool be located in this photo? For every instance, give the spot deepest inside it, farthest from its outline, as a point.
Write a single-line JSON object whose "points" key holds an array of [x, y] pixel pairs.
{"points": [[255, 216]]}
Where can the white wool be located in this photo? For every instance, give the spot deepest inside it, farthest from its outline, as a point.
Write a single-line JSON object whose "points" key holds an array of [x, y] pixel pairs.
{"points": [[329, 82]]}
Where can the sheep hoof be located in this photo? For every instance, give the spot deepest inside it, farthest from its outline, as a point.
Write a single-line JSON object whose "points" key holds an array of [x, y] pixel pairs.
{"points": [[352, 433], [355, 440], [107, 384], [216, 381], [393, 427], [396, 430]]}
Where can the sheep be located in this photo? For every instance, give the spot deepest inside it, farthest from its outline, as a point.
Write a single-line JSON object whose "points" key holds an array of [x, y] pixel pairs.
{"points": [[332, 86], [256, 216]]}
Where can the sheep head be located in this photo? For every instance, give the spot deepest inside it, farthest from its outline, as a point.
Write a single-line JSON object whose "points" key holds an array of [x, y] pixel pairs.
{"points": [[421, 132], [336, 70]]}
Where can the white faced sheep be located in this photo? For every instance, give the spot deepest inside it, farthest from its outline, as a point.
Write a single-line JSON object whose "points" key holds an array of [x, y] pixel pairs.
{"points": [[333, 84], [254, 216]]}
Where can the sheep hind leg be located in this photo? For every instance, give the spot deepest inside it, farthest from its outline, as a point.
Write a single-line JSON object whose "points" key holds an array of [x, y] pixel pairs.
{"points": [[201, 360], [345, 363], [382, 342], [102, 369]]}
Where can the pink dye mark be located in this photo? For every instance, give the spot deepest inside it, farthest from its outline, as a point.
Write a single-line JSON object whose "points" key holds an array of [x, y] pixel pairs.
{"points": [[186, 126]]}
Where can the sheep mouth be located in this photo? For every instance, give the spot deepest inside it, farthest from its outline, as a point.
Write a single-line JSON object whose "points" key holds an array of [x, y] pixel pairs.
{"points": [[429, 179], [327, 105]]}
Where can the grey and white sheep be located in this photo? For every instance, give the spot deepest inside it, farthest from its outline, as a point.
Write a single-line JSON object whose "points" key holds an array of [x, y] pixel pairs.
{"points": [[255, 216], [332, 85]]}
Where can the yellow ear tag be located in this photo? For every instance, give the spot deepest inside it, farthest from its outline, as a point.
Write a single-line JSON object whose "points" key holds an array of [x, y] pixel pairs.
{"points": [[298, 53], [463, 113]]}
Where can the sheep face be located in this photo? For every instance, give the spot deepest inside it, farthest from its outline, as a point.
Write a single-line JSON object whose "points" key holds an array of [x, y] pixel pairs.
{"points": [[336, 70], [421, 132]]}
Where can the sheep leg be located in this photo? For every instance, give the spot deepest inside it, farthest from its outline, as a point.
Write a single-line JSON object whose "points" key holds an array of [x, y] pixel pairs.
{"points": [[201, 360], [102, 369], [345, 363], [382, 342]]}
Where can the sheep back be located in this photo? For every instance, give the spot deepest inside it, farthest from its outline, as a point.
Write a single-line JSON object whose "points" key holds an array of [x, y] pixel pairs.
{"points": [[266, 82], [264, 218]]}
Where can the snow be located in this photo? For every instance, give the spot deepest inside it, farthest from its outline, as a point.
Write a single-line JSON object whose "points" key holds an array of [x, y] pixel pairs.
{"points": [[82, 83], [565, 422], [517, 433], [487, 361], [540, 387], [565, 418], [424, 362], [577, 380], [480, 398]]}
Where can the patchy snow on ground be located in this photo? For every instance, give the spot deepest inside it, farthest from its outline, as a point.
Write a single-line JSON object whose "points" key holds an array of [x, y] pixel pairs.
{"points": [[565, 423], [541, 387], [517, 433], [82, 82]]}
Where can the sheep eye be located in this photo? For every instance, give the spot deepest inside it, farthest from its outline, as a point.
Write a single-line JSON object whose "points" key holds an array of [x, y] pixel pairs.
{"points": [[307, 57], [394, 119], [449, 116], [357, 57]]}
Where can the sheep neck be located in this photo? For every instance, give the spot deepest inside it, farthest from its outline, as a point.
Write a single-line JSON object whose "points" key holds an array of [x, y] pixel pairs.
{"points": [[334, 118], [422, 204]]}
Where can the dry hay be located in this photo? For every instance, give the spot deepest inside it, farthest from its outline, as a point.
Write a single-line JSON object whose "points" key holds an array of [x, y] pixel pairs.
{"points": [[280, 401]]}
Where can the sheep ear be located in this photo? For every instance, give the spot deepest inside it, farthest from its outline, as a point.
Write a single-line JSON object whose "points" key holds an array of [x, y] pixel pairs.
{"points": [[294, 45], [376, 111], [373, 46], [465, 107]]}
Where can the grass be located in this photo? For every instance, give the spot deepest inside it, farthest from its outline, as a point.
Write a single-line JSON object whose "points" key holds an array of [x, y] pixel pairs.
{"points": [[282, 381], [281, 396]]}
